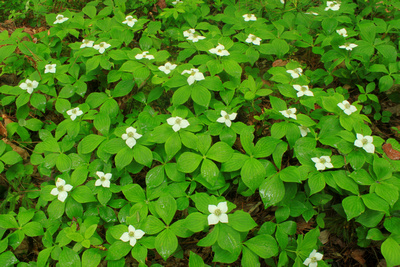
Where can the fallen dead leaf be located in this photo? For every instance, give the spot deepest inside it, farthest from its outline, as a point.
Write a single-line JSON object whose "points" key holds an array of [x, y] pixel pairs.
{"points": [[390, 152], [161, 4], [324, 236], [22, 152], [279, 63], [358, 255]]}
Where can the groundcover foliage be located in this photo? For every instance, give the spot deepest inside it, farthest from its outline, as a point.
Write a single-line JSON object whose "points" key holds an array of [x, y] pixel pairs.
{"points": [[143, 127]]}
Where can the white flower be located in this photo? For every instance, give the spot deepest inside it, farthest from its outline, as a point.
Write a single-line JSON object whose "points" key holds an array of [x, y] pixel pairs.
{"points": [[176, 2], [167, 68], [75, 112], [61, 189], [289, 113], [342, 32], [312, 13], [50, 68], [132, 235], [131, 136], [249, 17], [282, 2], [189, 32], [253, 39], [303, 130], [332, 5], [193, 36], [86, 43], [322, 162], [365, 142], [177, 123], [195, 75], [312, 259], [303, 90], [60, 19], [218, 213], [296, 73], [348, 46], [347, 107], [219, 50], [101, 47], [144, 55], [29, 85], [130, 21], [104, 179], [227, 118]]}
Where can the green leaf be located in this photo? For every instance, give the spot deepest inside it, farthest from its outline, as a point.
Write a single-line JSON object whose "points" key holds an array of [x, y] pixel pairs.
{"points": [[92, 63], [375, 234], [33, 229], [265, 146], [228, 238], [353, 206], [181, 95], [63, 163], [155, 176], [90, 143], [79, 176], [56, 209], [264, 246], [69, 258], [246, 139], [11, 158], [166, 208], [232, 68], [220, 152], [241, 221], [152, 225], [382, 168], [195, 222], [8, 221], [123, 158], [173, 145], [388, 192], [143, 155], [373, 202], [44, 256], [235, 163], [211, 238], [391, 252], [214, 67], [329, 25], [117, 250], [8, 259], [83, 194], [290, 174], [209, 171], [38, 101], [272, 191], [345, 182], [316, 182], [102, 123], [252, 173], [91, 258], [385, 83], [201, 95], [166, 243], [141, 74], [134, 193], [188, 162], [195, 260]]}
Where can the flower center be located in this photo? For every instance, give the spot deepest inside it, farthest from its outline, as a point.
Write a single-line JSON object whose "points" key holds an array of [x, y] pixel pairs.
{"points": [[313, 259], [219, 50], [195, 35], [253, 38], [60, 188], [217, 212], [347, 105], [226, 117], [73, 111], [102, 178], [178, 121], [130, 135], [289, 112], [322, 160], [130, 19], [364, 141], [303, 89], [131, 233], [101, 45], [29, 85]]}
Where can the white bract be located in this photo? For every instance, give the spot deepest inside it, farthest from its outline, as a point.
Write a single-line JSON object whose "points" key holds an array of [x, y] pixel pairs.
{"points": [[249, 17], [342, 32], [289, 113], [144, 55], [302, 90], [29, 85], [177, 123], [60, 19], [75, 112], [227, 118], [303, 130], [61, 189], [167, 68], [50, 68], [366, 142], [348, 46], [176, 2], [195, 75], [312, 13], [130, 21], [253, 39], [347, 107], [218, 213], [312, 259], [322, 162], [295, 73], [132, 235], [86, 43], [193, 36], [332, 5], [101, 47], [104, 179], [131, 136], [219, 50]]}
